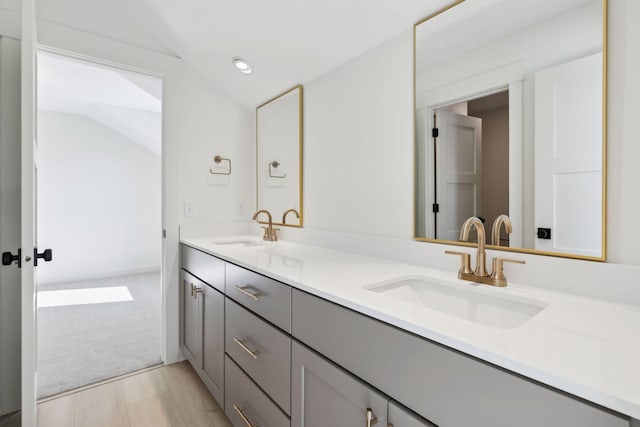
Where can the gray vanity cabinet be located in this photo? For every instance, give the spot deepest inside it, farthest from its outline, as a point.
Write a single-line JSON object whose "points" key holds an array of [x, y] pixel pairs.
{"points": [[323, 395], [213, 342], [290, 358], [202, 309], [190, 341], [443, 385]]}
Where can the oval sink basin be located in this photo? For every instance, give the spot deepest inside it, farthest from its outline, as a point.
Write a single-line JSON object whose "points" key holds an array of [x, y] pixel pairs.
{"points": [[476, 305], [238, 242]]}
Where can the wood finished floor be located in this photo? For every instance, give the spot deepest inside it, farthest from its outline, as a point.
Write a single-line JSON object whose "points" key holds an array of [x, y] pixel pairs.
{"points": [[169, 396]]}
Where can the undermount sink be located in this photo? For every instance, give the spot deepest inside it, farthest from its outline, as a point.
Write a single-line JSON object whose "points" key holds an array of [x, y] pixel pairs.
{"points": [[482, 306], [238, 242]]}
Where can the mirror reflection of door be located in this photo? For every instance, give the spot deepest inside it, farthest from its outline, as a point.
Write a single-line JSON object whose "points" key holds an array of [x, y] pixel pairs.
{"points": [[458, 168], [568, 156], [470, 164]]}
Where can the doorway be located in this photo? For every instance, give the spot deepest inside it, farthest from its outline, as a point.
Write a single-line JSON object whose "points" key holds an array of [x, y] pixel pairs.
{"points": [[99, 179], [466, 153]]}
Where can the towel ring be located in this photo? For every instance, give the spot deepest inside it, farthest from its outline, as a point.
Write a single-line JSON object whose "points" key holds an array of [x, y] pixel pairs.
{"points": [[274, 165], [219, 160]]}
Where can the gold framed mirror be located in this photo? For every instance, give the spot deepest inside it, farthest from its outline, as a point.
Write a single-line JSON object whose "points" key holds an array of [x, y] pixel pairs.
{"points": [[279, 157], [510, 119]]}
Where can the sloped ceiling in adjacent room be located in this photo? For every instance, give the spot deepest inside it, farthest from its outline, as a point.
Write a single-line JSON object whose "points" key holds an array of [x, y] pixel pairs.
{"points": [[287, 41], [127, 103]]}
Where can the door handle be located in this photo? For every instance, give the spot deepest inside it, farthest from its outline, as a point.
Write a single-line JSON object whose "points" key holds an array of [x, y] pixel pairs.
{"points": [[46, 255], [8, 258]]}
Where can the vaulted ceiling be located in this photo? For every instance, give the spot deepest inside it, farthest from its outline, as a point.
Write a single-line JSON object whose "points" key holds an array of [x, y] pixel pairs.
{"points": [[287, 41]]}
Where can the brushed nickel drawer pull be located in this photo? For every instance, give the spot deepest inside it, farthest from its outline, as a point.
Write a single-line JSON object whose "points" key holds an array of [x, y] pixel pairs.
{"points": [[246, 292], [371, 419], [193, 288], [243, 416], [242, 344]]}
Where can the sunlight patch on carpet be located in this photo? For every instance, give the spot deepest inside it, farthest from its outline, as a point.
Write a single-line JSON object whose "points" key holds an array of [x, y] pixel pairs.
{"points": [[83, 296]]}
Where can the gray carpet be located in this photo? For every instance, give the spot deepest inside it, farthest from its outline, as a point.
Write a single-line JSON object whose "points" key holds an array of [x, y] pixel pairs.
{"points": [[83, 344]]}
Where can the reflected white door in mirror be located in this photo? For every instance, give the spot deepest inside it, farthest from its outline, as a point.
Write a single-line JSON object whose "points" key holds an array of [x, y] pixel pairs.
{"points": [[279, 157], [510, 116]]}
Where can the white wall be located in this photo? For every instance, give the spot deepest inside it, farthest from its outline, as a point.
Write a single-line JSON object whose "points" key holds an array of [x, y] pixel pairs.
{"points": [[99, 204], [210, 125], [623, 174], [358, 144]]}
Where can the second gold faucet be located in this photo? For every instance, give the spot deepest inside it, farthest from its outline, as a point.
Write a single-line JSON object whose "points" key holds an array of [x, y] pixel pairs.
{"points": [[270, 233], [480, 274]]}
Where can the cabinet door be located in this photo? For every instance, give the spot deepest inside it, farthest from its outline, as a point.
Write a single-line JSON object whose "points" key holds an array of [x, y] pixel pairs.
{"points": [[190, 328], [402, 417], [213, 341], [324, 395]]}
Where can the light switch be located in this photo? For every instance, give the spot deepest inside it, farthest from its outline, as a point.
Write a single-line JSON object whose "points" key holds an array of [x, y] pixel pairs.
{"points": [[189, 210]]}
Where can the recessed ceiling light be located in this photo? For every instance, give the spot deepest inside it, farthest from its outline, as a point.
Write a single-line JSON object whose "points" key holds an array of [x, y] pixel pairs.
{"points": [[242, 65]]}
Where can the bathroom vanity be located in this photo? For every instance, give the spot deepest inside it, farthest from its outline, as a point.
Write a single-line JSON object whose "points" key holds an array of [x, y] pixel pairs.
{"points": [[285, 334]]}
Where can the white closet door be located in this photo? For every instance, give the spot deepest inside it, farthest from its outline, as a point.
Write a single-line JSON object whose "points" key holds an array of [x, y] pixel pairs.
{"points": [[459, 171], [568, 156]]}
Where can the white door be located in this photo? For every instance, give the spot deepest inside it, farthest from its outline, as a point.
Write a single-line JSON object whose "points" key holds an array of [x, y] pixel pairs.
{"points": [[458, 172], [28, 214], [568, 156], [9, 224]]}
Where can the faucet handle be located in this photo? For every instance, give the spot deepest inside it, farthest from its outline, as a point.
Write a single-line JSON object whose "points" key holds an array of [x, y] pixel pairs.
{"points": [[270, 234], [498, 274], [465, 261]]}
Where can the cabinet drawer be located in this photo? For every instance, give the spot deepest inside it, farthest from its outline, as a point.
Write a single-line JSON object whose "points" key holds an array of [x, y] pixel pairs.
{"points": [[262, 295], [261, 350], [440, 384], [245, 399], [399, 416], [204, 266], [325, 395]]}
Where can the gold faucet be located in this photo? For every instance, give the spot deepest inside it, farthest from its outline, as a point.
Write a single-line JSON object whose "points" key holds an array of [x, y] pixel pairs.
{"points": [[481, 263], [497, 224], [270, 233], [480, 274], [284, 215]]}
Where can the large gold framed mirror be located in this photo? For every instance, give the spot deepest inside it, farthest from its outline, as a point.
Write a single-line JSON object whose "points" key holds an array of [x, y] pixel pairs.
{"points": [[279, 157], [510, 119]]}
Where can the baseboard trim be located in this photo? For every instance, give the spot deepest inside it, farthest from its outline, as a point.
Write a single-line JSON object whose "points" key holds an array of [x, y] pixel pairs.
{"points": [[106, 275], [99, 383]]}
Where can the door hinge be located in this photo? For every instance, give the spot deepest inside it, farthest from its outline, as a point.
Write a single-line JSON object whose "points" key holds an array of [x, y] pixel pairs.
{"points": [[164, 233], [436, 208], [434, 132]]}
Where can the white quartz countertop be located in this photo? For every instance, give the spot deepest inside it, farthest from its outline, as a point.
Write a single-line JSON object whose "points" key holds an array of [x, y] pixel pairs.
{"points": [[584, 346]]}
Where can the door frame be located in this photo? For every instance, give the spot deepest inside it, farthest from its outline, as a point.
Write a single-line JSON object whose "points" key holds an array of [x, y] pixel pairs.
{"points": [[509, 77], [165, 350]]}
